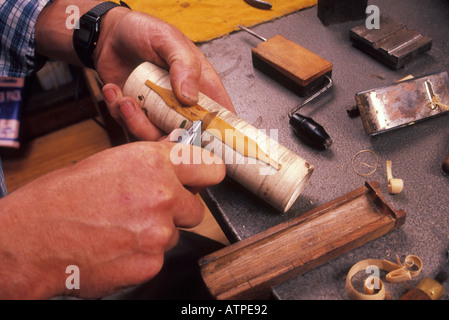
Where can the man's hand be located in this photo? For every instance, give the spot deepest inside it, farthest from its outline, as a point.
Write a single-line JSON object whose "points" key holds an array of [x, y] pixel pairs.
{"points": [[130, 38], [113, 215]]}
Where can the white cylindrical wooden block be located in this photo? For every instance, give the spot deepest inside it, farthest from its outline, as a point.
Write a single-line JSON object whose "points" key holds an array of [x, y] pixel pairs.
{"points": [[278, 187]]}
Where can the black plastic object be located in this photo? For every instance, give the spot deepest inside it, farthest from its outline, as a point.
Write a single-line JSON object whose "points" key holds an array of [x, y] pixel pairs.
{"points": [[310, 132], [259, 4], [338, 11]]}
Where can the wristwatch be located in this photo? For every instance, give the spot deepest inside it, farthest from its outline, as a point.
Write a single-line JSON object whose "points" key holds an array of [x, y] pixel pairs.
{"points": [[87, 32]]}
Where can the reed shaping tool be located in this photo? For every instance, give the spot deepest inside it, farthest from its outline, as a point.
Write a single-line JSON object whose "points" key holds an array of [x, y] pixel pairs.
{"points": [[392, 43], [403, 103]]}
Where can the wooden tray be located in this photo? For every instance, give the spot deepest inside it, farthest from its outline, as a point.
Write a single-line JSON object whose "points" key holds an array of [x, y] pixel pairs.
{"points": [[248, 269]]}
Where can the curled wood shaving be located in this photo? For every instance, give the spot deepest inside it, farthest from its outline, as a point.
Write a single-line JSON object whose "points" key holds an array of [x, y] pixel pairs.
{"points": [[374, 167], [397, 272]]}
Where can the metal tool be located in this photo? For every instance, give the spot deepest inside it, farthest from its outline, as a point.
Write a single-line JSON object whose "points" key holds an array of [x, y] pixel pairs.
{"points": [[259, 4], [404, 103], [305, 128], [251, 32], [392, 43], [191, 136], [311, 98]]}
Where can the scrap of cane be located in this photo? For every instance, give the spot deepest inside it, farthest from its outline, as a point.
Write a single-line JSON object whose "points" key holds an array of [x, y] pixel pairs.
{"points": [[396, 273]]}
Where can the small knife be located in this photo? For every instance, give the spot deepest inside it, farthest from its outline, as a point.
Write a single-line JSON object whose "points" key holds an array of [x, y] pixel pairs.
{"points": [[198, 127]]}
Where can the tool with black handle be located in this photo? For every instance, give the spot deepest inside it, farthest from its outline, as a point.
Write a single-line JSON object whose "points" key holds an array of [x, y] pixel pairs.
{"points": [[259, 4], [306, 128], [301, 70]]}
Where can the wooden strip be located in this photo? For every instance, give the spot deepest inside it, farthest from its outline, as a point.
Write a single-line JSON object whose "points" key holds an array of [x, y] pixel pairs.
{"points": [[227, 133]]}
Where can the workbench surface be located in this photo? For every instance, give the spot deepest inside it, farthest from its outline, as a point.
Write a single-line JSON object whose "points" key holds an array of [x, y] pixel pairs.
{"points": [[417, 152]]}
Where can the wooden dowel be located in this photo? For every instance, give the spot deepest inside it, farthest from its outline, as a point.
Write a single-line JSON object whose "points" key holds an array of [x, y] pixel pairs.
{"points": [[279, 183]]}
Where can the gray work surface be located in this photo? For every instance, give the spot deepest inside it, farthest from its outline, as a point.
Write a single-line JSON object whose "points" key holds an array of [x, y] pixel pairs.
{"points": [[417, 152]]}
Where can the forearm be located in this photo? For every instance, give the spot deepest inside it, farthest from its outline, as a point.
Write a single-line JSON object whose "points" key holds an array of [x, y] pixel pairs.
{"points": [[54, 28]]}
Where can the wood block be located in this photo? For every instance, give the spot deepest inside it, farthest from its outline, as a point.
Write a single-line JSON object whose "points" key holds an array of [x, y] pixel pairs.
{"points": [[249, 268], [392, 44], [337, 11], [292, 65]]}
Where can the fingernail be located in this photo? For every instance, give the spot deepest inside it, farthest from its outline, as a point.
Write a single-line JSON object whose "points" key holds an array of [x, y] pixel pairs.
{"points": [[126, 110], [109, 95], [190, 91]]}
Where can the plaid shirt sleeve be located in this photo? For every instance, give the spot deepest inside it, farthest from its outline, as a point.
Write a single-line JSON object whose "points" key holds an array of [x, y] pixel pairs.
{"points": [[17, 51]]}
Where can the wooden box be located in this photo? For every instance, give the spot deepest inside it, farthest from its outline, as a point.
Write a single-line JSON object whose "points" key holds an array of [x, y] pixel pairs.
{"points": [[292, 65], [249, 268]]}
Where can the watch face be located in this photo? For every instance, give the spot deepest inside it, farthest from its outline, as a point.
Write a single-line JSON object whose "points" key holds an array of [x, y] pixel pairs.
{"points": [[86, 36], [83, 35]]}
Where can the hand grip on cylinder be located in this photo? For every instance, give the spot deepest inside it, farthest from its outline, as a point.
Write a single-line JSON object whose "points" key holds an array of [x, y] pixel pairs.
{"points": [[253, 159]]}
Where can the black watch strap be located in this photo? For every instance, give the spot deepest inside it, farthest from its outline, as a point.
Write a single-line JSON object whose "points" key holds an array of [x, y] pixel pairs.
{"points": [[87, 32]]}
